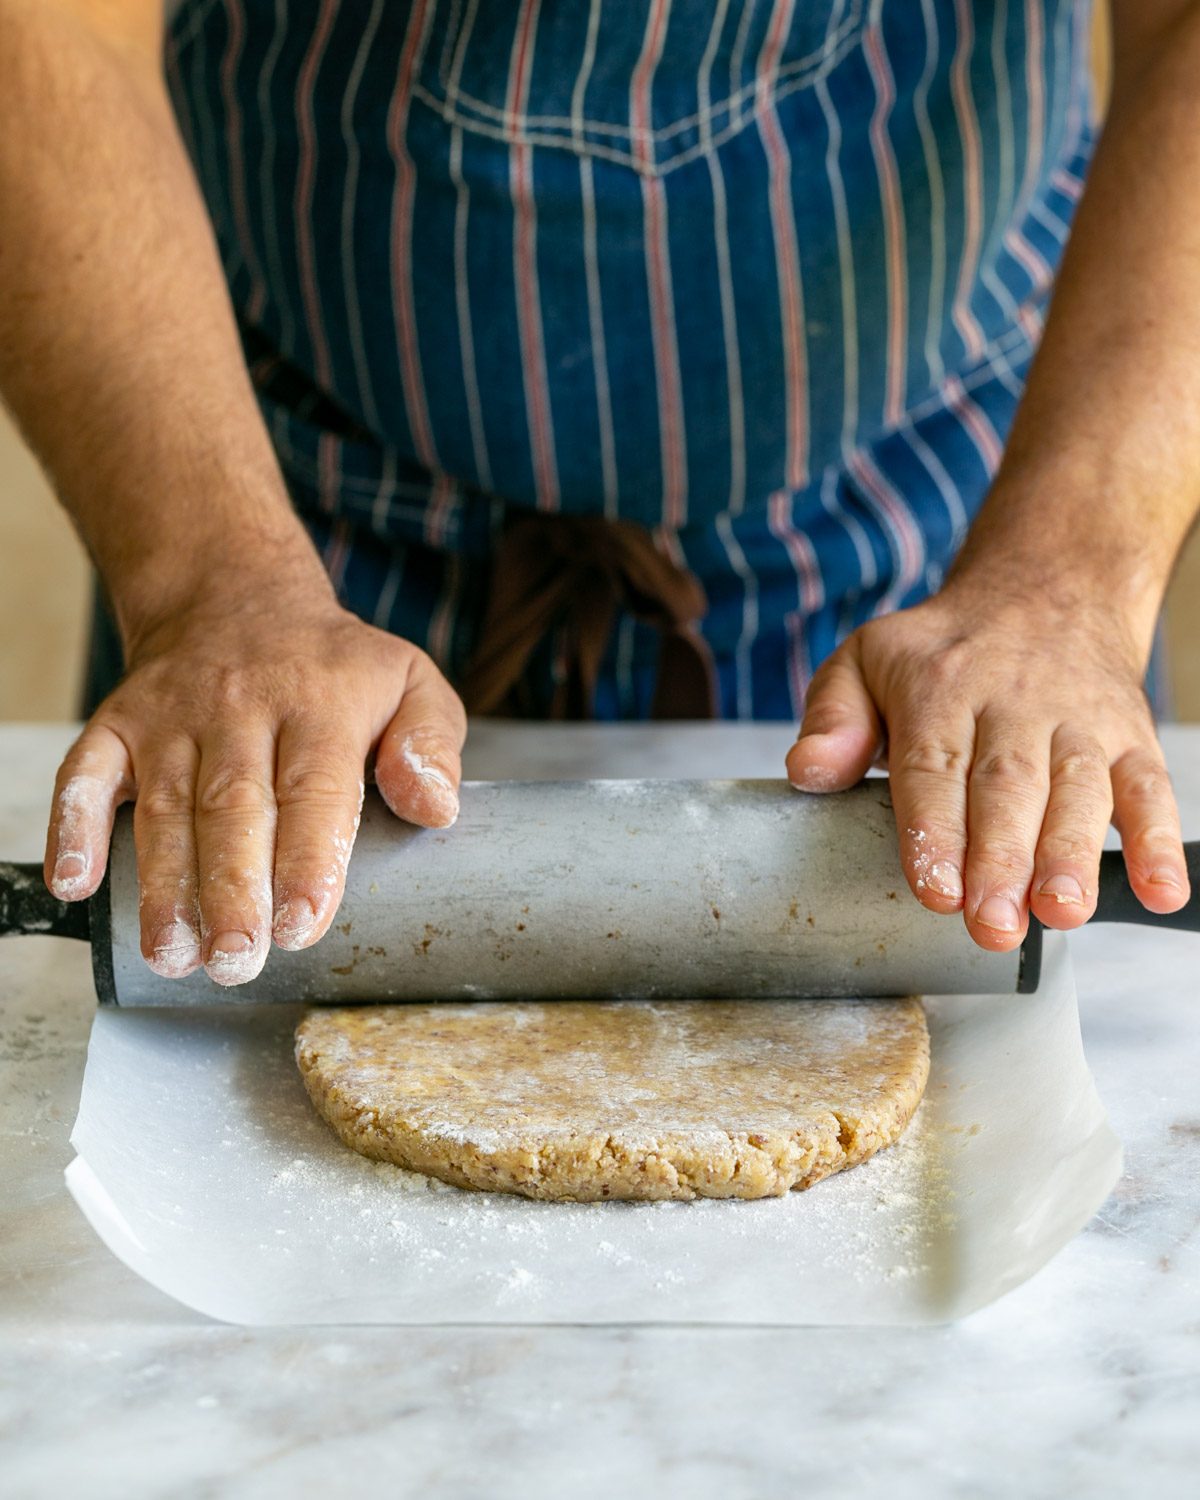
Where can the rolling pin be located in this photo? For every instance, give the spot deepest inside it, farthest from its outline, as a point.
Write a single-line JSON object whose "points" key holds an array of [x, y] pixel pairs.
{"points": [[568, 890]]}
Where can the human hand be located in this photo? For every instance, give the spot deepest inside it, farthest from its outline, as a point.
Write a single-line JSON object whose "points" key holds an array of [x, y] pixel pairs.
{"points": [[242, 730], [1013, 729]]}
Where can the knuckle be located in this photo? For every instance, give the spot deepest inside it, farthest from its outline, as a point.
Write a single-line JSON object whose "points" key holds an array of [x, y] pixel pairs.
{"points": [[233, 791], [1152, 838], [169, 796], [1084, 767], [232, 887], [931, 757], [1148, 783], [226, 691], [943, 667], [1072, 848], [308, 870], [1007, 856], [1007, 768], [312, 782]]}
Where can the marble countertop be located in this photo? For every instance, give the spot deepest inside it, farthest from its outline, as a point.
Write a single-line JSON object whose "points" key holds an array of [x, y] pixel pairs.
{"points": [[1086, 1380]]}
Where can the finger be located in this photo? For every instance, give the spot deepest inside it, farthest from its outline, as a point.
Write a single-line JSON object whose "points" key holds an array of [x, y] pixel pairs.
{"points": [[319, 792], [96, 776], [841, 733], [165, 837], [1067, 866], [418, 764], [235, 846], [1148, 820], [1006, 802], [928, 761]]}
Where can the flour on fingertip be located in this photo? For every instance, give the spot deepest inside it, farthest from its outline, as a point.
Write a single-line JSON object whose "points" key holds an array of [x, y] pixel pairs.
{"points": [[419, 766], [815, 779]]}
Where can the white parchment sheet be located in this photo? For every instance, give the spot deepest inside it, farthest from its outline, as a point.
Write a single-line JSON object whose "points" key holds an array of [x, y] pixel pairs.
{"points": [[203, 1166]]}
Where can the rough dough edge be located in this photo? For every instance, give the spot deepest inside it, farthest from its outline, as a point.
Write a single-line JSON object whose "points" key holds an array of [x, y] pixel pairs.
{"points": [[746, 1167]]}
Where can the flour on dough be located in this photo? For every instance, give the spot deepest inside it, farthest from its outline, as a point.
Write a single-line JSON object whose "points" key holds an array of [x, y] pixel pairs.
{"points": [[619, 1099]]}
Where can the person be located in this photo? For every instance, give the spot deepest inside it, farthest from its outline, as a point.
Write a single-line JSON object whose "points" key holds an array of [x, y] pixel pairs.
{"points": [[672, 358]]}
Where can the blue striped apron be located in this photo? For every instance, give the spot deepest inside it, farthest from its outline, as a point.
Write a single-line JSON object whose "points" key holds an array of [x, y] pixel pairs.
{"points": [[763, 277]]}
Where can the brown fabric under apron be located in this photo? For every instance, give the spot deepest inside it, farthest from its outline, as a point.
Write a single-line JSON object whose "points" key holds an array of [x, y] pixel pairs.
{"points": [[574, 573]]}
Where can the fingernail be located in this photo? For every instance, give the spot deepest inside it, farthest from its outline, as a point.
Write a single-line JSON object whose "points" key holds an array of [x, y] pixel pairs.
{"points": [[946, 879], [1000, 914], [233, 958], [815, 779], [1165, 875], [294, 923], [1064, 889], [176, 950], [70, 874]]}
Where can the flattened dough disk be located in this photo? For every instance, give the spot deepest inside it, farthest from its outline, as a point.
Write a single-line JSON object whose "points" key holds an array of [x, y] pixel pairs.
{"points": [[619, 1099]]}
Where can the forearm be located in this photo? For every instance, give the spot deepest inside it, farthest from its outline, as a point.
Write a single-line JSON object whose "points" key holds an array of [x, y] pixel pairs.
{"points": [[1101, 478], [118, 350]]}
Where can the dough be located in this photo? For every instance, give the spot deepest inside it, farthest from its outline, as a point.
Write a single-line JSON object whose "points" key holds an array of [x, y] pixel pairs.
{"points": [[619, 1099]]}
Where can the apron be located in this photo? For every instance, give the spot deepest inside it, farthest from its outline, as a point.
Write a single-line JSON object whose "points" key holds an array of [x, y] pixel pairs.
{"points": [[627, 354]]}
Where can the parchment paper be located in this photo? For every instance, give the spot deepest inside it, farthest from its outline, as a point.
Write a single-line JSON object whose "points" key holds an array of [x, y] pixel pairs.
{"points": [[203, 1166]]}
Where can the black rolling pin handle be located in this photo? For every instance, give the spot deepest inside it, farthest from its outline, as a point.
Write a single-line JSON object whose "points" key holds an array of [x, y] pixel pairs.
{"points": [[27, 909], [1029, 972], [1117, 903]]}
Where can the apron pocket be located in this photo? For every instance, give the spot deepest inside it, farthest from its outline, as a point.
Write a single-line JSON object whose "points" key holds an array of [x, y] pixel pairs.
{"points": [[649, 84]]}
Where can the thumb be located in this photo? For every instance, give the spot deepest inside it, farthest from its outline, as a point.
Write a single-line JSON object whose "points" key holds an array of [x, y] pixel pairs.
{"points": [[418, 763], [842, 733]]}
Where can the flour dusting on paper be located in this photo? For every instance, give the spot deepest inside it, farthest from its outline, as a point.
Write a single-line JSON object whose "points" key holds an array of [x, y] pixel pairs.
{"points": [[206, 1169], [887, 1217]]}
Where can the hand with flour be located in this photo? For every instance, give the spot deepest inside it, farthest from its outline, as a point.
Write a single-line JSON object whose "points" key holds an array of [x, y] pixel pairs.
{"points": [[1011, 734], [253, 701], [242, 730]]}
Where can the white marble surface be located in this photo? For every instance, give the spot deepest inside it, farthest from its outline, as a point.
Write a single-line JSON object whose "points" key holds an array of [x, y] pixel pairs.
{"points": [[1084, 1381]]}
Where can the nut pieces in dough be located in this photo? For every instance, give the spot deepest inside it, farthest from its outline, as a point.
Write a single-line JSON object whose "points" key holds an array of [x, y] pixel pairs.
{"points": [[619, 1099]]}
